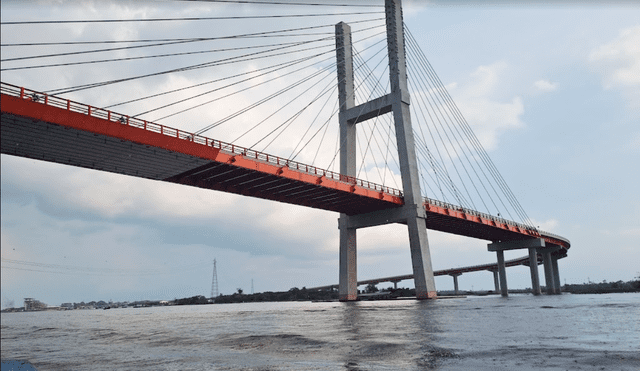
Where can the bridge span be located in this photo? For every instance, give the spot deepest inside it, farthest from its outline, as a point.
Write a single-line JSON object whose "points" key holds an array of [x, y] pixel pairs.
{"points": [[49, 128], [453, 272]]}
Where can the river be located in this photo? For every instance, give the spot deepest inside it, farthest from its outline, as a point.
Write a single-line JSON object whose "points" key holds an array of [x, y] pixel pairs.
{"points": [[566, 332]]}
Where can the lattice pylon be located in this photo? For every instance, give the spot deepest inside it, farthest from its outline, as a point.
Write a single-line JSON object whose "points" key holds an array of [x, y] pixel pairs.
{"points": [[214, 282]]}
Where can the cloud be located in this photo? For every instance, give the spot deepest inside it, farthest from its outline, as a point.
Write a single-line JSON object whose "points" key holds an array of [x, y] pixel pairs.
{"points": [[619, 63], [488, 114], [545, 85], [546, 225], [630, 232]]}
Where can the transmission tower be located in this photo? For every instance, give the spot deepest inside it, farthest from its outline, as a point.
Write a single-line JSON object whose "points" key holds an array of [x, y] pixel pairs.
{"points": [[214, 282]]}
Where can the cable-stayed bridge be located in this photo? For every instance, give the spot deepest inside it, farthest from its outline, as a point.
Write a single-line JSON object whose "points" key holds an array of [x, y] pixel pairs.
{"points": [[46, 126]]}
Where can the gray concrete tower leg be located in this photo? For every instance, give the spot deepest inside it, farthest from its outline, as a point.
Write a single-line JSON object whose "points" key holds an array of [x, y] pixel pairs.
{"points": [[456, 289], [421, 259], [556, 275], [420, 255], [496, 281], [348, 289], [548, 273], [533, 265], [502, 271]]}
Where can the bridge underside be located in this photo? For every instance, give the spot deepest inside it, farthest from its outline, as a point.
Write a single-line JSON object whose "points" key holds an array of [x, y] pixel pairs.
{"points": [[83, 138], [487, 230], [47, 141]]}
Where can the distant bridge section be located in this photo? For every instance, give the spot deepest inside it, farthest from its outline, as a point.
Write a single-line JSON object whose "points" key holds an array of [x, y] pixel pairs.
{"points": [[492, 267]]}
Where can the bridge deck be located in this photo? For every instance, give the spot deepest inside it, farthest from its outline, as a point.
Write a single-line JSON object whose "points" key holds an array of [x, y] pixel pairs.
{"points": [[58, 130], [51, 129]]}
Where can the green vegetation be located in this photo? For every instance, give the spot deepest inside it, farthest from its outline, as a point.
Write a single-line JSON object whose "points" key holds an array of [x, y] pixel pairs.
{"points": [[294, 294], [603, 287], [198, 299]]}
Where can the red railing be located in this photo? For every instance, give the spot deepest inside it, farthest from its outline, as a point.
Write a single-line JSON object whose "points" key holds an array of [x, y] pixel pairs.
{"points": [[524, 227], [111, 116]]}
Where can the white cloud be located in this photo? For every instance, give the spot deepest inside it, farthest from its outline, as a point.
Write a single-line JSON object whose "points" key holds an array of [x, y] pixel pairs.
{"points": [[545, 85], [546, 225], [487, 114], [619, 63], [630, 232]]}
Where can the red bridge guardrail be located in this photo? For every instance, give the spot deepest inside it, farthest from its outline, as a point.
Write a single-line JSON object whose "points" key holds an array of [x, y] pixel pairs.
{"points": [[528, 229], [111, 116]]}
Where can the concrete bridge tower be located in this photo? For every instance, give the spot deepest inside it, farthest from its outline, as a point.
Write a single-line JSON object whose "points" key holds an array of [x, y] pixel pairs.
{"points": [[412, 213]]}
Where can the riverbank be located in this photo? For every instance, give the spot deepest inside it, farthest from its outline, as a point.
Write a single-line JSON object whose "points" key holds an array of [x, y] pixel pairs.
{"points": [[331, 295]]}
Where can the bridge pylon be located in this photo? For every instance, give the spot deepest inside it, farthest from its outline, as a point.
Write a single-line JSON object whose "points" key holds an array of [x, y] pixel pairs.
{"points": [[412, 213]]}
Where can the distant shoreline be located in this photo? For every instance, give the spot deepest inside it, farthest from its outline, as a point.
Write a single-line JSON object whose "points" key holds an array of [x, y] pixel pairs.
{"points": [[295, 294]]}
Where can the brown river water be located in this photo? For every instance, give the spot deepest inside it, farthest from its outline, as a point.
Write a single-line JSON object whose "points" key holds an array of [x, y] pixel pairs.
{"points": [[522, 332]]}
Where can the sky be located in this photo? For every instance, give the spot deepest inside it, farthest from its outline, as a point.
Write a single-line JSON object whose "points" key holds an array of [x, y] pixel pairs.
{"points": [[552, 91]]}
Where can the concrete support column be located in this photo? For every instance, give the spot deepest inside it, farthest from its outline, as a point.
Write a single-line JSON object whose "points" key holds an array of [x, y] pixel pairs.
{"points": [[502, 272], [346, 99], [533, 265], [395, 285], [496, 282], [421, 259], [455, 282], [348, 284], [532, 244], [400, 100], [348, 289], [548, 273], [556, 275]]}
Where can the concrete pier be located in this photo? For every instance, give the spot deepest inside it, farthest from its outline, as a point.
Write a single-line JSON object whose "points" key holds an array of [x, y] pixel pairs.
{"points": [[502, 273], [533, 265], [496, 281], [556, 275], [455, 282], [348, 289], [548, 273], [500, 247]]}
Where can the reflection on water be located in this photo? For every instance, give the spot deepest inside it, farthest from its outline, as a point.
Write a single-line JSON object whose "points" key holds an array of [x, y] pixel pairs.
{"points": [[588, 332]]}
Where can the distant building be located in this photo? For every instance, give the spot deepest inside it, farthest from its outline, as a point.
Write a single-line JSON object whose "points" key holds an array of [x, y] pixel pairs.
{"points": [[33, 304]]}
